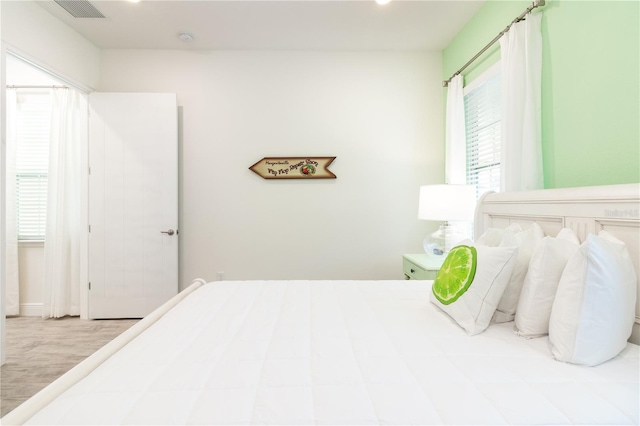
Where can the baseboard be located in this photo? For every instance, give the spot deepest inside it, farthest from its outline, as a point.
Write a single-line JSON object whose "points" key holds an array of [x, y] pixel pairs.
{"points": [[31, 309]]}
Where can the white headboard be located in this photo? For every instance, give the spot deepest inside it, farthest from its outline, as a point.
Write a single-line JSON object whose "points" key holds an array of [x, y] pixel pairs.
{"points": [[586, 210]]}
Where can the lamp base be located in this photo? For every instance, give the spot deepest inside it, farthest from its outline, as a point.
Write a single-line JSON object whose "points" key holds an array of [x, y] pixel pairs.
{"points": [[443, 240]]}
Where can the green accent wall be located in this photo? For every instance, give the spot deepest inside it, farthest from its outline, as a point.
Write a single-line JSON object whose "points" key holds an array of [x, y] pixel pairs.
{"points": [[590, 84]]}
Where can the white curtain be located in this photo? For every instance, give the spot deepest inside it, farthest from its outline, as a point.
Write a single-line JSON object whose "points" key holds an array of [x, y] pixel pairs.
{"points": [[12, 283], [61, 291], [455, 138], [521, 142]]}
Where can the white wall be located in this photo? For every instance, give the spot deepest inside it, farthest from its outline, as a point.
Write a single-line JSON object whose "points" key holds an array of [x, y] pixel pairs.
{"points": [[380, 114], [31, 270], [34, 33]]}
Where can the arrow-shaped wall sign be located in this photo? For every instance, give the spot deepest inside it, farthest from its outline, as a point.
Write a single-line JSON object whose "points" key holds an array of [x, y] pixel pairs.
{"points": [[294, 168]]}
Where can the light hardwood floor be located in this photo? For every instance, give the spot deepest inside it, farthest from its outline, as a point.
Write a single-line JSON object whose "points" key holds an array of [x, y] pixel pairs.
{"points": [[39, 351]]}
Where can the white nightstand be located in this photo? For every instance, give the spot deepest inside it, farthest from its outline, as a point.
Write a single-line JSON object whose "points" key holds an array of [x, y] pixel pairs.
{"points": [[421, 266]]}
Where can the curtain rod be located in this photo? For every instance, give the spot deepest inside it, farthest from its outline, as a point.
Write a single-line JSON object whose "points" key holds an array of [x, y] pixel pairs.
{"points": [[13, 86], [535, 4]]}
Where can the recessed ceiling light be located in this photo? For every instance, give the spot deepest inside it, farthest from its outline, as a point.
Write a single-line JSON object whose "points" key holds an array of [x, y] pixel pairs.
{"points": [[186, 37], [382, 1], [134, 1]]}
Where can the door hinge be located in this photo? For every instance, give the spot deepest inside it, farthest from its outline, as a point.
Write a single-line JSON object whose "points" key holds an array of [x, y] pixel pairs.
{"points": [[89, 285], [89, 228], [89, 171]]}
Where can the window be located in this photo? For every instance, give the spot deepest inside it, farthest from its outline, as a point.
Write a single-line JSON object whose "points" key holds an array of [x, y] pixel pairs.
{"points": [[482, 106], [33, 116]]}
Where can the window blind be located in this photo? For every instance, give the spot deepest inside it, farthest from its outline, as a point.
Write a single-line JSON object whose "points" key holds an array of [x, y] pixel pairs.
{"points": [[483, 114], [33, 116]]}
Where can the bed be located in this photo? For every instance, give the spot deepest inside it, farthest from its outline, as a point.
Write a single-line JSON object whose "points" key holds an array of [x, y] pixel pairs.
{"points": [[353, 352]]}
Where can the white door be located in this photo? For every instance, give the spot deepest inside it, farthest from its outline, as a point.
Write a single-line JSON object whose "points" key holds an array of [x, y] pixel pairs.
{"points": [[133, 203]]}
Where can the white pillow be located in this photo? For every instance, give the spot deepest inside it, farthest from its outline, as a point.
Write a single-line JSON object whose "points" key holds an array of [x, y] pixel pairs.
{"points": [[541, 282], [473, 309], [526, 241], [594, 310], [492, 237]]}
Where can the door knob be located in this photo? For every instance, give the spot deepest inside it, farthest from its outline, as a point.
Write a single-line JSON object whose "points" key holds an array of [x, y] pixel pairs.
{"points": [[169, 232]]}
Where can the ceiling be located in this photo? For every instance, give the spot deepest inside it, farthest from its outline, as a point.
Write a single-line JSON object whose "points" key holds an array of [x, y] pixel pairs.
{"points": [[273, 25]]}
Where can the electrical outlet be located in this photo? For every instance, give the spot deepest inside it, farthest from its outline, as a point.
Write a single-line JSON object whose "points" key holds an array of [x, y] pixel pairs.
{"points": [[220, 276]]}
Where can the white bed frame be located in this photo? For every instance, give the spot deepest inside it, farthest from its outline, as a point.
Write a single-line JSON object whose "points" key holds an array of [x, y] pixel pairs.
{"points": [[586, 210], [615, 208]]}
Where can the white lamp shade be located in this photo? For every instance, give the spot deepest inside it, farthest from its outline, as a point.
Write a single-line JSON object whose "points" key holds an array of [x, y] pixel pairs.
{"points": [[447, 202]]}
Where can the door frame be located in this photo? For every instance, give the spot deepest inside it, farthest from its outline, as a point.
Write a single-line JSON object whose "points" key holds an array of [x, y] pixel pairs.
{"points": [[3, 242], [84, 90], [84, 218]]}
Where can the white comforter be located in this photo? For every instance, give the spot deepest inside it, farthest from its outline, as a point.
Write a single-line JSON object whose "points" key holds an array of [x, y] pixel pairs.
{"points": [[339, 352]]}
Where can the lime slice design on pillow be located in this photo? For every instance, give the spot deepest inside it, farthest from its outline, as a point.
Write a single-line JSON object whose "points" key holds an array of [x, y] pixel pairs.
{"points": [[456, 274]]}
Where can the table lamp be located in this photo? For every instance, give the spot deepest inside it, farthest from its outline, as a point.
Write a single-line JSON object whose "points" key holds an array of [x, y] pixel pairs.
{"points": [[446, 203]]}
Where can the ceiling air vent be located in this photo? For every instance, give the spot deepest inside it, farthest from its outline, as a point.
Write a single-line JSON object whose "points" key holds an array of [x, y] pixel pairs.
{"points": [[80, 8]]}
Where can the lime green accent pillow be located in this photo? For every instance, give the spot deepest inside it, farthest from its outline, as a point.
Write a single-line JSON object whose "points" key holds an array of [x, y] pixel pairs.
{"points": [[456, 274], [471, 282]]}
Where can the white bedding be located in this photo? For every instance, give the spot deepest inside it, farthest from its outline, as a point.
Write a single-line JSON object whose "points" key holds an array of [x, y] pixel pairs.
{"points": [[339, 352]]}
